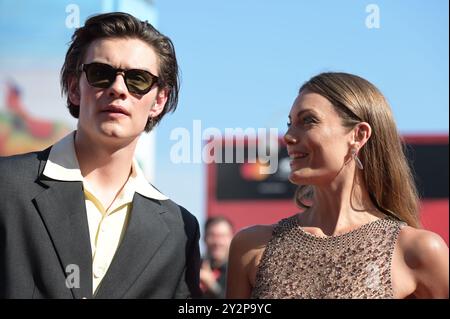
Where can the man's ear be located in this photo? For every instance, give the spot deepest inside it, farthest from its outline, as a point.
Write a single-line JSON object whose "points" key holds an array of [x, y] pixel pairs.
{"points": [[160, 102], [74, 91], [361, 134]]}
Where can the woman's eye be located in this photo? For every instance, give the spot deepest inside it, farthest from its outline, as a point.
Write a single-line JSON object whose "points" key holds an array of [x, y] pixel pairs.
{"points": [[309, 120], [289, 123]]}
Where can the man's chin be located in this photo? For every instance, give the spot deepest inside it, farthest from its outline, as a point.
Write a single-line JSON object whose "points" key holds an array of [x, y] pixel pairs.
{"points": [[113, 130], [117, 134]]}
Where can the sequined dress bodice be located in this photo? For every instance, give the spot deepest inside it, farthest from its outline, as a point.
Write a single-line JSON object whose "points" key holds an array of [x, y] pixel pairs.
{"points": [[357, 264]]}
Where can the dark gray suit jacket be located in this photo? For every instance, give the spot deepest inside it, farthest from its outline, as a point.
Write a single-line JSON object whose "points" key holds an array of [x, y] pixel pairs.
{"points": [[44, 230]]}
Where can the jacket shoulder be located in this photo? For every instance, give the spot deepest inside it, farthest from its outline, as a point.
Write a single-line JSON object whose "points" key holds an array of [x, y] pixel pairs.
{"points": [[181, 214], [22, 165]]}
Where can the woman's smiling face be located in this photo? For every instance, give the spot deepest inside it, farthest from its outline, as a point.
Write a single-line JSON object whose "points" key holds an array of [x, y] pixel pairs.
{"points": [[317, 142]]}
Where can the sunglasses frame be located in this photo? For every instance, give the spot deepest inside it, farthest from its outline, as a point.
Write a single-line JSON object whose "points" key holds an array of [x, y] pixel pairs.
{"points": [[85, 68]]}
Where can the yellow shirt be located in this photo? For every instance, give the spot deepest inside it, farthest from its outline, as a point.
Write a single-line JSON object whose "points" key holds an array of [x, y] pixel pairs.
{"points": [[106, 227]]}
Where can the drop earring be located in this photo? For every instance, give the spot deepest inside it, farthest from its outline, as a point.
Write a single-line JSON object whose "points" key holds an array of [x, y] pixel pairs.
{"points": [[355, 157]]}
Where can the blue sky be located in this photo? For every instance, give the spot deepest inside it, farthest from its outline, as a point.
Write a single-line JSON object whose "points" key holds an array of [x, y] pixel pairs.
{"points": [[242, 62]]}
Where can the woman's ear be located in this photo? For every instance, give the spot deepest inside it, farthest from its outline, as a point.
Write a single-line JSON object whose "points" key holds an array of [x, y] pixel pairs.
{"points": [[74, 91], [361, 134], [160, 102]]}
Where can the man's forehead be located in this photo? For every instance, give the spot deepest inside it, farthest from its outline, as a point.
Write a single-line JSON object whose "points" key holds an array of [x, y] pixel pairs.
{"points": [[123, 52]]}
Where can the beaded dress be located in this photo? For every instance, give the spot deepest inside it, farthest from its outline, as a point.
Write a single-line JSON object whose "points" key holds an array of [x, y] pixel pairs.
{"points": [[357, 264]]}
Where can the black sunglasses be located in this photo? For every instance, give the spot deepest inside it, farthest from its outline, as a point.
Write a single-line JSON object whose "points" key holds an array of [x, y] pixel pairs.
{"points": [[103, 75]]}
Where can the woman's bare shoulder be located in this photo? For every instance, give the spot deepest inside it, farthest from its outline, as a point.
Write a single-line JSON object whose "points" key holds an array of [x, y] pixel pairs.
{"points": [[246, 250], [253, 237], [426, 255], [421, 244]]}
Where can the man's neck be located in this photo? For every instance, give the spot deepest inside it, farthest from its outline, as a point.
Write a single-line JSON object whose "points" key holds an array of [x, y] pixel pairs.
{"points": [[106, 168]]}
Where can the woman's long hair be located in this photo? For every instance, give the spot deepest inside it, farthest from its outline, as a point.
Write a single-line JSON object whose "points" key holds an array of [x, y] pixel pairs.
{"points": [[387, 175]]}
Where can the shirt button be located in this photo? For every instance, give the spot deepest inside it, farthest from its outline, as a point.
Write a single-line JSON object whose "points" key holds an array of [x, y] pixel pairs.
{"points": [[99, 271]]}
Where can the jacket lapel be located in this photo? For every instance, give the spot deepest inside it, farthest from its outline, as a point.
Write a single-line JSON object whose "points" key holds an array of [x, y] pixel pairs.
{"points": [[63, 210], [145, 233]]}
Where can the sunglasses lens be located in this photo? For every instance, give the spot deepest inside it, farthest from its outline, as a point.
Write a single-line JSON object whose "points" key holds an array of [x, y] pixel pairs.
{"points": [[100, 75], [139, 81], [103, 76]]}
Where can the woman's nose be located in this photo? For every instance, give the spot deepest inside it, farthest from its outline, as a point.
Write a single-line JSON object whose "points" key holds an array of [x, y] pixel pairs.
{"points": [[289, 139]]}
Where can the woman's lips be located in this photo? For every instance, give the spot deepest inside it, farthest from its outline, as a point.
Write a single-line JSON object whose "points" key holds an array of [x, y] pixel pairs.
{"points": [[296, 157]]}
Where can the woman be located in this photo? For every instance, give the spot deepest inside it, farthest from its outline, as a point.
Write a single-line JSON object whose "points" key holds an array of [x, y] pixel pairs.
{"points": [[359, 235]]}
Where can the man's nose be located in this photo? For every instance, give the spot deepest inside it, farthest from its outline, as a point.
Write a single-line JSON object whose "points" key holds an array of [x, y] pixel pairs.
{"points": [[118, 88]]}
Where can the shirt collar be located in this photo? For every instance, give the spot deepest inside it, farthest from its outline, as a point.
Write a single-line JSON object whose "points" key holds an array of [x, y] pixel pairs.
{"points": [[62, 165]]}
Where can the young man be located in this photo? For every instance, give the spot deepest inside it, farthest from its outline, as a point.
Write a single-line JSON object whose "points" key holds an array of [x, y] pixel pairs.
{"points": [[79, 220]]}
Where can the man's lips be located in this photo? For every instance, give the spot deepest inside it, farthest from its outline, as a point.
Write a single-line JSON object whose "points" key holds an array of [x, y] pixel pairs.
{"points": [[115, 109]]}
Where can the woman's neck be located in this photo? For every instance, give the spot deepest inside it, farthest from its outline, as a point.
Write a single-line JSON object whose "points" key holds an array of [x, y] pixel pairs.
{"points": [[340, 206]]}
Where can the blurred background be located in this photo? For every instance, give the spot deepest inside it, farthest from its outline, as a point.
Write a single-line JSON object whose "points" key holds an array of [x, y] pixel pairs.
{"points": [[242, 62]]}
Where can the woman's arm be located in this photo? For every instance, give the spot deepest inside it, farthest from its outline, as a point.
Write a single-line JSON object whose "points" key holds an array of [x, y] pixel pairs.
{"points": [[427, 255], [246, 249]]}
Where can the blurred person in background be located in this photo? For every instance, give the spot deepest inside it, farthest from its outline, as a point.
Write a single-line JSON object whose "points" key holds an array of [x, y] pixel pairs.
{"points": [[218, 235]]}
